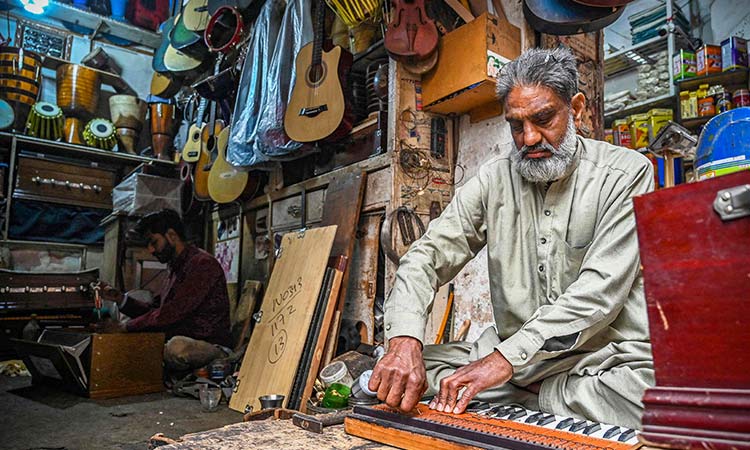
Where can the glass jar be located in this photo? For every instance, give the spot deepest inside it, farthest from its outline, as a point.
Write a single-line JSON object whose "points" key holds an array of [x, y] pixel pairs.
{"points": [[336, 372], [336, 396], [741, 98], [706, 107], [723, 102]]}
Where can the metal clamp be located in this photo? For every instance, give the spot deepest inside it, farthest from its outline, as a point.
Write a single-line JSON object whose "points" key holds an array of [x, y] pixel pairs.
{"points": [[733, 203]]}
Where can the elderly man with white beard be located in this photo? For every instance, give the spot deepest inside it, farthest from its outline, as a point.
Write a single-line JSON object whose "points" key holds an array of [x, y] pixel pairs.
{"points": [[555, 213]]}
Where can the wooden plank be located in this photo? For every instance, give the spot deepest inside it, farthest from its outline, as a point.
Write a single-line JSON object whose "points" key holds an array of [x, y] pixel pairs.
{"points": [[126, 364], [344, 198], [286, 312], [273, 434], [363, 282], [339, 266], [399, 438], [241, 316]]}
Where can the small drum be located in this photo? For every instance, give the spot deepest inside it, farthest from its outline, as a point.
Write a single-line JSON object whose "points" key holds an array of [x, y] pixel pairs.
{"points": [[46, 121], [7, 117], [127, 111], [19, 74], [224, 30], [162, 118], [77, 95], [100, 133], [126, 140]]}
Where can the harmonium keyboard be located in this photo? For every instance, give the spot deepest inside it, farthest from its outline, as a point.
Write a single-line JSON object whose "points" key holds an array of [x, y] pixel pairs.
{"points": [[485, 426]]}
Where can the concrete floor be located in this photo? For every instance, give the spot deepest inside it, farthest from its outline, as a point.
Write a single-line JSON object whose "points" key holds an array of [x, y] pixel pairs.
{"points": [[38, 417]]}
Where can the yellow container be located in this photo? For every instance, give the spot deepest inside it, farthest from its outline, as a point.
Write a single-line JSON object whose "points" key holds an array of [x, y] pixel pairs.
{"points": [[658, 119], [638, 124], [621, 133]]}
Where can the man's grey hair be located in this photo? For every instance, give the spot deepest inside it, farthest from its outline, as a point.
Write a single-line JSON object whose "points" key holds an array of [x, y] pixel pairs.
{"points": [[554, 68]]}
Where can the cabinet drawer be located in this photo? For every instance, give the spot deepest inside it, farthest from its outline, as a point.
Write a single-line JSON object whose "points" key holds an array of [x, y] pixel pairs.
{"points": [[58, 182]]}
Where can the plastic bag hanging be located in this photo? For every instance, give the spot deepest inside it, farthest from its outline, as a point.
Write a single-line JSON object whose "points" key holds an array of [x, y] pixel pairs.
{"points": [[253, 87], [296, 31]]}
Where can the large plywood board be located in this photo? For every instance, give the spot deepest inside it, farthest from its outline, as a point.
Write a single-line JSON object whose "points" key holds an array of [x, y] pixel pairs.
{"points": [[276, 345]]}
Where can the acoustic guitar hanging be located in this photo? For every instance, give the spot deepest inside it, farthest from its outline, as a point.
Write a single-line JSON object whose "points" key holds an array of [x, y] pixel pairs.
{"points": [[317, 108], [227, 183]]}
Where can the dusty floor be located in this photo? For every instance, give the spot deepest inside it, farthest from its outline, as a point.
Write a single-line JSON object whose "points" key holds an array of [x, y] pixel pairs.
{"points": [[36, 418]]}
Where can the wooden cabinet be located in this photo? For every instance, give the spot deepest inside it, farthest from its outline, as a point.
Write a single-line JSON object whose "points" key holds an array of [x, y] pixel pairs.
{"points": [[63, 182]]}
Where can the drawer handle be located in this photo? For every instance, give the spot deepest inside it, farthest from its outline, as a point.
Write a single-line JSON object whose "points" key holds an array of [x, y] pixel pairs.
{"points": [[66, 184]]}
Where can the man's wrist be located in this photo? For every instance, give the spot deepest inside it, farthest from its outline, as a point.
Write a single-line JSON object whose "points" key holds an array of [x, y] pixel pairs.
{"points": [[398, 342]]}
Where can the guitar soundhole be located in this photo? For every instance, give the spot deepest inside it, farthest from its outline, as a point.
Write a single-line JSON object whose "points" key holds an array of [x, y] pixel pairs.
{"points": [[316, 73], [211, 142], [196, 136]]}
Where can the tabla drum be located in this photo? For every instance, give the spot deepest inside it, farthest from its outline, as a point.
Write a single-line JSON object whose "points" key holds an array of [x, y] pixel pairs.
{"points": [[19, 80], [127, 111], [100, 133], [127, 139], [7, 116], [162, 118], [77, 95], [45, 121]]}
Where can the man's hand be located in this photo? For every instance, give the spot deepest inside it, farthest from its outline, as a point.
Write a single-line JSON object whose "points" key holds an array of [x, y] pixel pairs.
{"points": [[110, 293], [490, 371], [399, 377]]}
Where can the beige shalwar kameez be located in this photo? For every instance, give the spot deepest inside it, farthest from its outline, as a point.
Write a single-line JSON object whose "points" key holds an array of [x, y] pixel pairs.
{"points": [[565, 283]]}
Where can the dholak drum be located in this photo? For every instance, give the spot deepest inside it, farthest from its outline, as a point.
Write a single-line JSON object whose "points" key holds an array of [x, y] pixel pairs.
{"points": [[77, 96], [100, 133], [7, 116], [45, 121], [19, 80], [162, 118], [127, 111]]}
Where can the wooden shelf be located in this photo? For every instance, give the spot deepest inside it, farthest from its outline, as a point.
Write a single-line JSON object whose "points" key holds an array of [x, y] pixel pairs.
{"points": [[695, 122], [124, 30], [730, 78], [63, 149], [665, 100], [631, 57]]}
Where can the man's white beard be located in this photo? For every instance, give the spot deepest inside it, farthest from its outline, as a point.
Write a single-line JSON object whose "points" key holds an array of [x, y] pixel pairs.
{"points": [[543, 170]]}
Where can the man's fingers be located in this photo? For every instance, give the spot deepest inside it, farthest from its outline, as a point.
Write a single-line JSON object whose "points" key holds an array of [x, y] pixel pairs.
{"points": [[375, 379], [412, 395], [466, 397], [396, 392], [385, 385]]}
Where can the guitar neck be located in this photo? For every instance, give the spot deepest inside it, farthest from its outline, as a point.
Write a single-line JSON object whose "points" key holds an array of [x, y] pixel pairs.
{"points": [[320, 17], [202, 105]]}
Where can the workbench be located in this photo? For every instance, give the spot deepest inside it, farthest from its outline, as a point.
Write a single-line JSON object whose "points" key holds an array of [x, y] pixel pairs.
{"points": [[272, 434]]}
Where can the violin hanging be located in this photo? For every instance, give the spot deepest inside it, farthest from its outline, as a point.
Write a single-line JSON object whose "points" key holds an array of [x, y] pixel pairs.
{"points": [[412, 35]]}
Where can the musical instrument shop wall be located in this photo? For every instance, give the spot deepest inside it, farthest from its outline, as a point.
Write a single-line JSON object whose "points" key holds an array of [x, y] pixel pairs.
{"points": [[256, 119]]}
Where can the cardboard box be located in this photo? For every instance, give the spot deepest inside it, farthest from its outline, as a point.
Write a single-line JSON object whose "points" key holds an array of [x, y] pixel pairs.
{"points": [[469, 59]]}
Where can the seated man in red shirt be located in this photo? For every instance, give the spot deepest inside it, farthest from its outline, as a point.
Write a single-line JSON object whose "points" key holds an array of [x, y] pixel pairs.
{"points": [[193, 305]]}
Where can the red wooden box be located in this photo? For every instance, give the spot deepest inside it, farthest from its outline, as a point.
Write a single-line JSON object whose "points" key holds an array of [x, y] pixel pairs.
{"points": [[696, 270]]}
